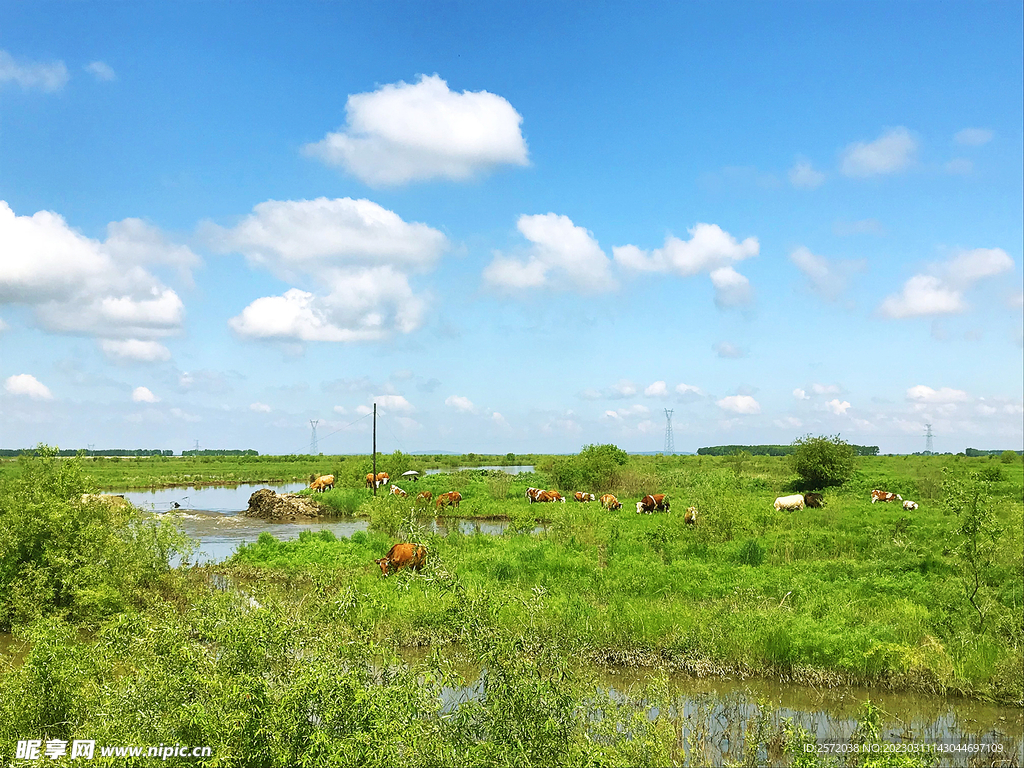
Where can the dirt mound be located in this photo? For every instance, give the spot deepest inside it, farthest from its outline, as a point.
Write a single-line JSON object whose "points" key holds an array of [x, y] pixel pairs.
{"points": [[106, 498], [268, 505]]}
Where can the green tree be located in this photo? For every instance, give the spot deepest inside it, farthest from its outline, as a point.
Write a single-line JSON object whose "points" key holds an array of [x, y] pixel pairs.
{"points": [[589, 470], [823, 461], [975, 537]]}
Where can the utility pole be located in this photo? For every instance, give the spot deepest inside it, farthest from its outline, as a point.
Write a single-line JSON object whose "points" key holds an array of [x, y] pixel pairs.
{"points": [[374, 449]]}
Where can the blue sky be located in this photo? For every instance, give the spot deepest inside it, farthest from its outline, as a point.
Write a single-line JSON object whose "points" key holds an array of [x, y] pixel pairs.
{"points": [[522, 229]]}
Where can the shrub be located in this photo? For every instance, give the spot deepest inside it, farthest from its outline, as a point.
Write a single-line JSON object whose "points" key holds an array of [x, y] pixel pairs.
{"points": [[1008, 457], [590, 470], [823, 461]]}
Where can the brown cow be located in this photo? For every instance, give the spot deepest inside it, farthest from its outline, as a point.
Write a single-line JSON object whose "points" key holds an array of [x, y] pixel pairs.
{"points": [[814, 500], [532, 493], [322, 483], [884, 496], [584, 497], [401, 555], [610, 502], [548, 496], [451, 499], [396, 491], [425, 496], [370, 478], [690, 518], [658, 502]]}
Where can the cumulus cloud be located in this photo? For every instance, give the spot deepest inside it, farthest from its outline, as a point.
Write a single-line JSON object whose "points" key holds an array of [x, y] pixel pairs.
{"points": [[406, 132], [838, 407], [624, 414], [79, 285], [974, 137], [825, 389], [498, 419], [803, 176], [264, 408], [355, 253], [143, 395], [941, 396], [561, 255], [891, 152], [657, 389], [101, 71], [135, 349], [460, 403], [688, 391], [709, 250], [393, 403], [48, 77], [743, 404], [800, 394], [729, 350], [828, 278], [28, 385], [941, 293]]}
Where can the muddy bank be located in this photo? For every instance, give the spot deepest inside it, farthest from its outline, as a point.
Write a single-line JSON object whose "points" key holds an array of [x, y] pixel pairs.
{"points": [[265, 504]]}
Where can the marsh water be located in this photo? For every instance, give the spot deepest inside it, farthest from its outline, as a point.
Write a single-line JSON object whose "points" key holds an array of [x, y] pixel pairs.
{"points": [[212, 515]]}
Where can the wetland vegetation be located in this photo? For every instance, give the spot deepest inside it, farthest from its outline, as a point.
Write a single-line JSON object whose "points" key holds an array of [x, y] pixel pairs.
{"points": [[299, 662]]}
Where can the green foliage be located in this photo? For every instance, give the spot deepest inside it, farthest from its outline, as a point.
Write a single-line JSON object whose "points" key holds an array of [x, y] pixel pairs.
{"points": [[751, 553], [974, 538], [591, 470], [1009, 457], [823, 461], [61, 553]]}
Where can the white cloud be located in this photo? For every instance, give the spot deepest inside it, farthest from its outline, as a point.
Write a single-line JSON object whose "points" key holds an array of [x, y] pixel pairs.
{"points": [[744, 404], [460, 403], [959, 166], [893, 151], [561, 255], [657, 389], [135, 349], [354, 253], [803, 176], [943, 293], [364, 410], [28, 385], [101, 71], [800, 394], [143, 395], [825, 389], [860, 227], [974, 137], [498, 419], [406, 132], [79, 285], [684, 390], [185, 416], [3, 325], [731, 288], [837, 407], [828, 278], [263, 407], [46, 77], [709, 248], [925, 394], [729, 350], [632, 412], [393, 403], [624, 388], [408, 423]]}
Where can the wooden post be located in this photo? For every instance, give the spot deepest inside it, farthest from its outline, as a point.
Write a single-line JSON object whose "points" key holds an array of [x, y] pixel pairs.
{"points": [[374, 449]]}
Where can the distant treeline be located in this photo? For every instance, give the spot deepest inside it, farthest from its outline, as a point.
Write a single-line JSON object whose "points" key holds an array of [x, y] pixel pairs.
{"points": [[773, 450], [976, 452], [215, 452], [6, 452]]}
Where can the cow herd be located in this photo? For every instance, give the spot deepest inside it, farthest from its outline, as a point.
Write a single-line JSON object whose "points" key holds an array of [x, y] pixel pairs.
{"points": [[800, 500]]}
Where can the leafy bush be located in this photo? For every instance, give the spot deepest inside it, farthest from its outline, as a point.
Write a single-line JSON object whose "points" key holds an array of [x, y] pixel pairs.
{"points": [[590, 470], [823, 461]]}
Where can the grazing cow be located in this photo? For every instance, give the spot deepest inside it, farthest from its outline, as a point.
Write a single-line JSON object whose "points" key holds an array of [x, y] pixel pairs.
{"points": [[877, 495], [401, 555], [450, 499], [909, 505], [370, 479], [657, 502], [322, 483], [789, 503], [690, 518], [814, 500], [396, 491], [610, 502], [548, 496], [425, 496], [583, 497], [383, 479], [532, 493]]}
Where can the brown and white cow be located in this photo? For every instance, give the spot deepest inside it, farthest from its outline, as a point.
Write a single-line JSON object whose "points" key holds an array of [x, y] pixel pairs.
{"points": [[322, 483], [424, 496], [909, 505], [450, 499], [402, 555], [877, 495], [531, 494], [690, 518], [549, 496], [610, 502], [658, 502], [584, 497], [396, 491]]}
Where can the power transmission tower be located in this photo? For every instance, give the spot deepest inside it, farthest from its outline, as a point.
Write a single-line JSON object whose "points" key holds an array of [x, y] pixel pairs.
{"points": [[313, 449], [670, 443], [928, 446]]}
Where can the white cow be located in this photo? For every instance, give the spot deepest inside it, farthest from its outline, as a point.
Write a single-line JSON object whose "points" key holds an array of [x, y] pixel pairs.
{"points": [[789, 503], [909, 505]]}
